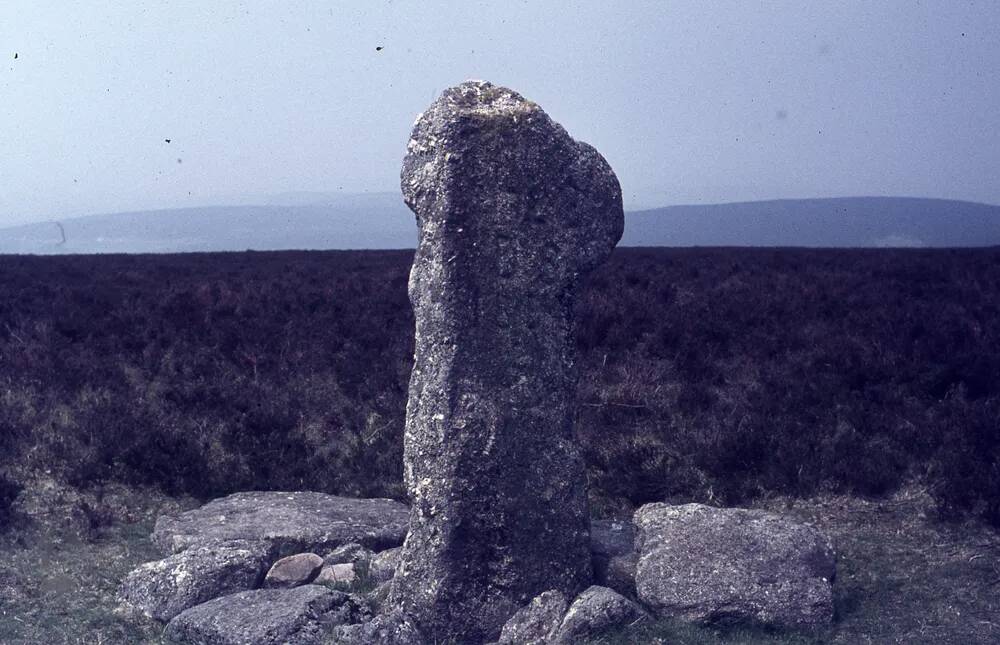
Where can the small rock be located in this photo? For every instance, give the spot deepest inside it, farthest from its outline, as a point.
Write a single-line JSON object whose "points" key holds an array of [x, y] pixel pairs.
{"points": [[706, 565], [293, 571], [594, 611], [337, 574], [165, 588], [393, 628], [352, 552], [383, 565], [537, 622], [262, 617]]}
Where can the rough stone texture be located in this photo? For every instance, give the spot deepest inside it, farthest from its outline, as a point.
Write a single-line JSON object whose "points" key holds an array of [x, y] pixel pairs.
{"points": [[613, 555], [537, 623], [293, 571], [290, 522], [379, 596], [547, 621], [512, 214], [595, 610], [393, 628], [708, 564], [383, 566], [352, 552], [337, 574], [298, 616], [165, 588]]}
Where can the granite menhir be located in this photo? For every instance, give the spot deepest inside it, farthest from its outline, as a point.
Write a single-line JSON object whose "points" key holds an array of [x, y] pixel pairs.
{"points": [[513, 213]]}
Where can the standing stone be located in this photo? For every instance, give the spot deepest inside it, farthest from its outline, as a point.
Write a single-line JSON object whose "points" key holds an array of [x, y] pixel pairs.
{"points": [[512, 213]]}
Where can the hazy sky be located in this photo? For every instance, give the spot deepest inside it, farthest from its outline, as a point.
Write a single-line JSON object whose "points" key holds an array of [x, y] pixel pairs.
{"points": [[690, 101]]}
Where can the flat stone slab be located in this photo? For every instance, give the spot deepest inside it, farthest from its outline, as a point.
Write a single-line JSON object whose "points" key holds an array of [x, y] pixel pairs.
{"points": [[708, 565], [290, 523], [299, 616]]}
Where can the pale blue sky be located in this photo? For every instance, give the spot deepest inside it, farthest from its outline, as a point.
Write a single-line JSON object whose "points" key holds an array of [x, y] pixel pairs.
{"points": [[690, 101]]}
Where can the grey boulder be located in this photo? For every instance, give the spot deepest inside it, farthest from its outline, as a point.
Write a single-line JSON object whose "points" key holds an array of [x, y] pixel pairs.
{"points": [[299, 616], [337, 574], [537, 623], [547, 620], [165, 588], [707, 565], [594, 611], [290, 522], [293, 571]]}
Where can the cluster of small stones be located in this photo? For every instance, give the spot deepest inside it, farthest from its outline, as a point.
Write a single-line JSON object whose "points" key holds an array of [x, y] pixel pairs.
{"points": [[692, 562], [263, 568], [499, 545]]}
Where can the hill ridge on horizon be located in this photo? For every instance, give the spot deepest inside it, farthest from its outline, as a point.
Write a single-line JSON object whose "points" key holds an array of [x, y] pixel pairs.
{"points": [[382, 221]]}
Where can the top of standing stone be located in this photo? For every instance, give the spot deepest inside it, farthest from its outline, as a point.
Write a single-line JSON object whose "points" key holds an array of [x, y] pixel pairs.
{"points": [[483, 155], [480, 100], [485, 99]]}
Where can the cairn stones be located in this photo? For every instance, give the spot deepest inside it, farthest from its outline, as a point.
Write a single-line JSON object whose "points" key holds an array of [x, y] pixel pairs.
{"points": [[512, 213]]}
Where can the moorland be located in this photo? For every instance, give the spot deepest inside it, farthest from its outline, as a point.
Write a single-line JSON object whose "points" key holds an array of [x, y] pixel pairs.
{"points": [[725, 376]]}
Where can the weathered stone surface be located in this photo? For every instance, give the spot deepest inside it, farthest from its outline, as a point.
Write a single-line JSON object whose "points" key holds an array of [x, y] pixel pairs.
{"points": [[379, 596], [708, 564], [512, 214], [352, 552], [393, 628], [165, 588], [547, 621], [594, 611], [337, 574], [613, 555], [293, 571], [290, 522], [383, 566], [296, 616], [537, 623]]}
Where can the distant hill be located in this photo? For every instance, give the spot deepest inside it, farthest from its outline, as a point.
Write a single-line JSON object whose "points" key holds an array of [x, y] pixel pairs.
{"points": [[835, 222], [382, 221], [368, 221]]}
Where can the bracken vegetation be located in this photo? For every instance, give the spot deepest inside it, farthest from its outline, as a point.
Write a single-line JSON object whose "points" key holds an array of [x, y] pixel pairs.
{"points": [[717, 375]]}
